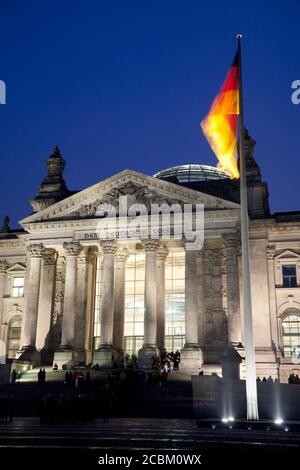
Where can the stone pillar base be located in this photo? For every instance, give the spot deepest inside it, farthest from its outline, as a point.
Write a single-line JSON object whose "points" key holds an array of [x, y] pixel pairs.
{"points": [[29, 355], [145, 356], [64, 359], [191, 358], [104, 357], [79, 356]]}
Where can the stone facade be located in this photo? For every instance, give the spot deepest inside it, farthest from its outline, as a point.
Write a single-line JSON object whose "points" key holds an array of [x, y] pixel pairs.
{"points": [[56, 253]]}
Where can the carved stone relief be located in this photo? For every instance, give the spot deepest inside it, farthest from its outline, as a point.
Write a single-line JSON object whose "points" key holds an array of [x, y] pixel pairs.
{"points": [[56, 321], [216, 331]]}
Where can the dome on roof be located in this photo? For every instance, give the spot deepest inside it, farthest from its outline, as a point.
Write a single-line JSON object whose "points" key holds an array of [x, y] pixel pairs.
{"points": [[191, 173]]}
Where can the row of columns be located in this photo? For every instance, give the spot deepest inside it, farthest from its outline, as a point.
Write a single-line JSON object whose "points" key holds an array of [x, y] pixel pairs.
{"points": [[40, 293], [39, 301]]}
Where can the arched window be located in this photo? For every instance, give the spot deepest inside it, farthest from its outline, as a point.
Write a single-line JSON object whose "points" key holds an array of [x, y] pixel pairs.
{"points": [[14, 336], [291, 334]]}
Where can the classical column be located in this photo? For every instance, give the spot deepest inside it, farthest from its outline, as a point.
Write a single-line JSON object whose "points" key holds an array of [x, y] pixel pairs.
{"points": [[149, 348], [85, 259], [72, 250], [161, 297], [201, 306], [272, 294], [119, 316], [105, 353], [90, 312], [3, 330], [46, 300], [233, 294], [191, 354], [32, 298]]}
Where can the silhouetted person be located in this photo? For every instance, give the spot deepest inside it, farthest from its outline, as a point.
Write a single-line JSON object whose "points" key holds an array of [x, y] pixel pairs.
{"points": [[40, 377], [13, 377], [88, 377]]}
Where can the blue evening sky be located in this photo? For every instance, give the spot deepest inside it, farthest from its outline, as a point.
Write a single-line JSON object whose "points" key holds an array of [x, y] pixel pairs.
{"points": [[124, 84]]}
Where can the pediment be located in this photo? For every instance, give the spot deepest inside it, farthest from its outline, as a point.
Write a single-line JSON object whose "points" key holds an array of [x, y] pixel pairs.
{"points": [[16, 268], [139, 188], [288, 254]]}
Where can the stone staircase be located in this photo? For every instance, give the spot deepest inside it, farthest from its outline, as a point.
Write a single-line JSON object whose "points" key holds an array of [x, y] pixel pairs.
{"points": [[173, 400]]}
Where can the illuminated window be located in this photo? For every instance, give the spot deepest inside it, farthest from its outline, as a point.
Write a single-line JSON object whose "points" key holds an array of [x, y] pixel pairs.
{"points": [[14, 336], [17, 287], [134, 303], [98, 304], [289, 276], [175, 301], [291, 335]]}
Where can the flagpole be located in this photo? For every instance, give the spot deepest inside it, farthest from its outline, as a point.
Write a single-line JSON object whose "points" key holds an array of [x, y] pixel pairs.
{"points": [[251, 385]]}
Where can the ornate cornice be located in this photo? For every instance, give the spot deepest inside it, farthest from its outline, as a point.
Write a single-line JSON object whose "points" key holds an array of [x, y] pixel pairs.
{"points": [[72, 248]]}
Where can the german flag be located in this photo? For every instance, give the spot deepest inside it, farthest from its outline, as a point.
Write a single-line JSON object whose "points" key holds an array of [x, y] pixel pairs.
{"points": [[220, 125]]}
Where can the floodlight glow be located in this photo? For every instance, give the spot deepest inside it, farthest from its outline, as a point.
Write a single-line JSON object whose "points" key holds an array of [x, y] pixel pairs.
{"points": [[231, 418], [225, 420], [278, 421]]}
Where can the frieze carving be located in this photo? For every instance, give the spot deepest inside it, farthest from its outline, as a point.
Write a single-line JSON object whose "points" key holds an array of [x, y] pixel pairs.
{"points": [[59, 296], [142, 195], [57, 315], [3, 266], [218, 330], [36, 250], [224, 262], [61, 268]]}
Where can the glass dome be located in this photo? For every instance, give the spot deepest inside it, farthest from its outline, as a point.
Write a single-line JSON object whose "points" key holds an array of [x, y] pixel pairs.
{"points": [[191, 173]]}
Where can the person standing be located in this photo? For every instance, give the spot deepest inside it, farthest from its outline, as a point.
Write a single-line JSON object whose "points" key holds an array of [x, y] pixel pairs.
{"points": [[13, 377]]}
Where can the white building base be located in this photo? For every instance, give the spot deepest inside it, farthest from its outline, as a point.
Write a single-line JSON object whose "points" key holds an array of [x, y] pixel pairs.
{"points": [[104, 357], [145, 357], [64, 359], [191, 358]]}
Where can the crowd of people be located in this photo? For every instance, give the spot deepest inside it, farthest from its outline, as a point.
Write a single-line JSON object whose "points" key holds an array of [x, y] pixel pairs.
{"points": [[268, 380], [294, 379], [80, 402]]}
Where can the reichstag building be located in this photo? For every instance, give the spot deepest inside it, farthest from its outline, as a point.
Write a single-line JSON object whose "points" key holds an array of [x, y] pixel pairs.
{"points": [[68, 296]]}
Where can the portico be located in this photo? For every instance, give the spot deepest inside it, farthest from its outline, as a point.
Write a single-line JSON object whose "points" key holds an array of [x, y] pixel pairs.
{"points": [[92, 276], [137, 295]]}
